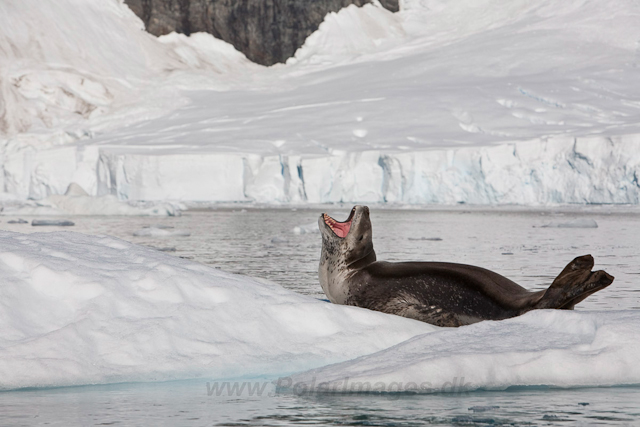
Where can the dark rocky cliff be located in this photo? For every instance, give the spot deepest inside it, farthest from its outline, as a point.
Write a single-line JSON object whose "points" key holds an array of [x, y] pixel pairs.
{"points": [[266, 31]]}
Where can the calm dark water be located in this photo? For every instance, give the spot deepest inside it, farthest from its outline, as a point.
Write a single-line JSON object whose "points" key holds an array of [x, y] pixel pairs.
{"points": [[261, 242]]}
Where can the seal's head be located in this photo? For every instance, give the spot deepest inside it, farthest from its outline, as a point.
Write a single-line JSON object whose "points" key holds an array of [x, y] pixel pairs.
{"points": [[350, 240], [346, 247]]}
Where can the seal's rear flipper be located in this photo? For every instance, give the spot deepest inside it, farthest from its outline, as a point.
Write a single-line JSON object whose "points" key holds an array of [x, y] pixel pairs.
{"points": [[574, 284]]}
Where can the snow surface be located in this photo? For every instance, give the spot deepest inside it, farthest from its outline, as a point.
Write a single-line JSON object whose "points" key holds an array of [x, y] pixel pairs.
{"points": [[80, 309], [485, 102], [541, 348]]}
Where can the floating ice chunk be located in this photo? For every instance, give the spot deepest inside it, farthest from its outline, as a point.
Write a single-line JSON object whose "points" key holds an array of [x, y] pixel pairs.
{"points": [[306, 229], [431, 239], [576, 223], [52, 222], [160, 232], [279, 239], [118, 312], [547, 417], [483, 408], [18, 221]]}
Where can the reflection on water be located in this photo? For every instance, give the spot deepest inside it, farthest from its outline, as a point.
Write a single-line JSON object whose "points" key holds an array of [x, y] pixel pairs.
{"points": [[261, 242]]}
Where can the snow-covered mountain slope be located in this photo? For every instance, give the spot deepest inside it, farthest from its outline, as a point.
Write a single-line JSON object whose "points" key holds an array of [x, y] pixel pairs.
{"points": [[67, 64], [445, 102]]}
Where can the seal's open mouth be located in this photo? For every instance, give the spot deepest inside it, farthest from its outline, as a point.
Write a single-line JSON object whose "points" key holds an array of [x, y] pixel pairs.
{"points": [[340, 229]]}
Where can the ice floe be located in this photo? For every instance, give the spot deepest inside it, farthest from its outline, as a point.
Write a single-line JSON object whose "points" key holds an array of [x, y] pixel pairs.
{"points": [[155, 231], [306, 228], [88, 309], [18, 221], [52, 222], [81, 309], [575, 223]]}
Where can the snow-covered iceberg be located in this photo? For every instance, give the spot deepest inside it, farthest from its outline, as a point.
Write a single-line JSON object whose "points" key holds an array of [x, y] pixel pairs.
{"points": [[80, 309], [541, 348]]}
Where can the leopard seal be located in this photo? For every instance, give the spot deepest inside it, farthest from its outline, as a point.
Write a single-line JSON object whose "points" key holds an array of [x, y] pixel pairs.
{"points": [[440, 293]]}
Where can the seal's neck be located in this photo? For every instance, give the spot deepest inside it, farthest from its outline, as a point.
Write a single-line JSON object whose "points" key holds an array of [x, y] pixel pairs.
{"points": [[362, 262], [336, 267]]}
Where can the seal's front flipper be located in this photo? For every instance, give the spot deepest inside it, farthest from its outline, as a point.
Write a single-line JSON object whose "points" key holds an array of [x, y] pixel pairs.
{"points": [[574, 284]]}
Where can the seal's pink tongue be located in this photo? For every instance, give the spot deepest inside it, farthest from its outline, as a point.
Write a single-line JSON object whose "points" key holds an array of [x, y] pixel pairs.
{"points": [[341, 229]]}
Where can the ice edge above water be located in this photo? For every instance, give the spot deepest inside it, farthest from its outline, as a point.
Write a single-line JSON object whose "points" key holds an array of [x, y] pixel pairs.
{"points": [[589, 170], [550, 348]]}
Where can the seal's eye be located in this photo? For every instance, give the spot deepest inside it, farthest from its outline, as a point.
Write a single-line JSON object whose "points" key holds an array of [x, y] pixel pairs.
{"points": [[360, 238]]}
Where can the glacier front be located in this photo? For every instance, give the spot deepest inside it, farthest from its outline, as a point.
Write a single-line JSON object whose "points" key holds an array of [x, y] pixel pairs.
{"points": [[490, 102]]}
